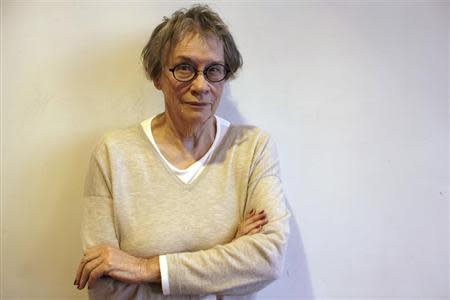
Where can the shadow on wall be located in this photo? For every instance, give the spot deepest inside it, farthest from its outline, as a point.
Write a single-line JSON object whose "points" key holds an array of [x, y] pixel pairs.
{"points": [[227, 108], [295, 282]]}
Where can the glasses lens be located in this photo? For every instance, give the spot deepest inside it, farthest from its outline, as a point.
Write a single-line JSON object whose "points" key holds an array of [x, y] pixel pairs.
{"points": [[216, 73], [184, 72]]}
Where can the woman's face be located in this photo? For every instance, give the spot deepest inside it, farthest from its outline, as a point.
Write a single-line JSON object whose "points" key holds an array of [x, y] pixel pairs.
{"points": [[195, 101]]}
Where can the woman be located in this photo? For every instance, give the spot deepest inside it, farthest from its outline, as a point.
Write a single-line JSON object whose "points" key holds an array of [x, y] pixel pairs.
{"points": [[174, 207]]}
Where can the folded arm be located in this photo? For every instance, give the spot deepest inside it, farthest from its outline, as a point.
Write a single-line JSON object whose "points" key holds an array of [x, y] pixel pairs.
{"points": [[243, 266], [249, 263]]}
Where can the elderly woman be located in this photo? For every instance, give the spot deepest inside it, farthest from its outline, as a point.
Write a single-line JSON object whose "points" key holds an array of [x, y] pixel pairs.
{"points": [[184, 205]]}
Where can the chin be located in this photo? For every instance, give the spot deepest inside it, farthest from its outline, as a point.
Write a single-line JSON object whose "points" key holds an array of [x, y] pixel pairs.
{"points": [[196, 118]]}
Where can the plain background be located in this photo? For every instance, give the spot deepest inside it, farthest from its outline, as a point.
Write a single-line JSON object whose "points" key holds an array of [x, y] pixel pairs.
{"points": [[355, 93]]}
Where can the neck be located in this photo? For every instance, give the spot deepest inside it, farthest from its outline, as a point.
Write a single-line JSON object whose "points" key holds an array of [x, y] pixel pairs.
{"points": [[193, 138]]}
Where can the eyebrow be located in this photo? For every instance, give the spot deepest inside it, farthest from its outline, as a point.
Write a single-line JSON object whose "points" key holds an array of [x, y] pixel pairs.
{"points": [[190, 60]]}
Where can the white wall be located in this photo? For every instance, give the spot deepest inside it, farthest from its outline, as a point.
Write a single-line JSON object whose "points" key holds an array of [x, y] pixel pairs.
{"points": [[354, 92]]}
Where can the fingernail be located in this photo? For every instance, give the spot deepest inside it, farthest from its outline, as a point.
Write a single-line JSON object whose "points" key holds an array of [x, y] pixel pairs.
{"points": [[252, 211], [261, 212]]}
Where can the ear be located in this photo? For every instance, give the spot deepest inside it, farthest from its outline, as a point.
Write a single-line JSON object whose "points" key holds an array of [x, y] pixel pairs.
{"points": [[157, 83]]}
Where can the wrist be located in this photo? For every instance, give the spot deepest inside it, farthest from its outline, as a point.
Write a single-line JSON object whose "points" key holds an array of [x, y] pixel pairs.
{"points": [[150, 269]]}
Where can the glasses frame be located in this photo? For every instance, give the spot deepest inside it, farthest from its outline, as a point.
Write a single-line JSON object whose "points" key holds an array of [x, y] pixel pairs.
{"points": [[205, 72]]}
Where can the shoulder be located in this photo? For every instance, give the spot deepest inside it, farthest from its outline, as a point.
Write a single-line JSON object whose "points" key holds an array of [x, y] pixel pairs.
{"points": [[122, 135], [119, 139], [254, 148], [249, 134], [248, 141]]}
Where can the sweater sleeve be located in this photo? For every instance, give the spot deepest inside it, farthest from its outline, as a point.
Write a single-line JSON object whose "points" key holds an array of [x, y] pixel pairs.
{"points": [[97, 225], [248, 263]]}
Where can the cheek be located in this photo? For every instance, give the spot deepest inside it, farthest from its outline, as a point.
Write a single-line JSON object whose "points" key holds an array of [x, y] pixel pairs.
{"points": [[218, 92], [174, 93]]}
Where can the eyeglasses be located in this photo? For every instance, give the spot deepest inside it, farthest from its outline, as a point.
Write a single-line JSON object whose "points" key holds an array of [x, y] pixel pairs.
{"points": [[213, 73]]}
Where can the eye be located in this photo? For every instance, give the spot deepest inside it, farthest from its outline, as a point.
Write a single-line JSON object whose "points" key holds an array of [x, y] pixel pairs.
{"points": [[184, 68], [214, 69], [215, 72], [184, 72]]}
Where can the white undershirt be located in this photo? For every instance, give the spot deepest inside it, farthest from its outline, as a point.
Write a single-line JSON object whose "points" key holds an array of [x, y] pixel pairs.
{"points": [[190, 173], [187, 176]]}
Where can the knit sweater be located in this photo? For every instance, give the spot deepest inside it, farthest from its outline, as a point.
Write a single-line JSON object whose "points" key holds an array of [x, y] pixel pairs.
{"points": [[134, 202]]}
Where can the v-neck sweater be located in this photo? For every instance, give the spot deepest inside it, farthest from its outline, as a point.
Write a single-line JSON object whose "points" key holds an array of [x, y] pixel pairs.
{"points": [[134, 202], [188, 174]]}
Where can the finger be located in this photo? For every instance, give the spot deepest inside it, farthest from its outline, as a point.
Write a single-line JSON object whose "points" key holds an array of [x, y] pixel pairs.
{"points": [[79, 271], [260, 214], [255, 230], [254, 218], [87, 270], [89, 255], [254, 225], [251, 213], [96, 274], [246, 225]]}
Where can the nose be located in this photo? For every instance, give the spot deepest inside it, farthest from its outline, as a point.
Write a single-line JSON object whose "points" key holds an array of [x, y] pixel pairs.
{"points": [[200, 85]]}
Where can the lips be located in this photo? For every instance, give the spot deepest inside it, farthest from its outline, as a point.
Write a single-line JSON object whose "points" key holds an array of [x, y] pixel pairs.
{"points": [[197, 104]]}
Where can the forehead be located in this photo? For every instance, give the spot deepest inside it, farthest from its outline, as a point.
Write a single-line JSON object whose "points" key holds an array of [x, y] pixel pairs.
{"points": [[199, 49]]}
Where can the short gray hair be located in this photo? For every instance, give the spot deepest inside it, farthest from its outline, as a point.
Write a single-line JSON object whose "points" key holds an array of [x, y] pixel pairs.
{"points": [[197, 19]]}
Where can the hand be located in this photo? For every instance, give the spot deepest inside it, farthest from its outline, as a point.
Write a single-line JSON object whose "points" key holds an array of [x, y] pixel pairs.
{"points": [[252, 224], [106, 260]]}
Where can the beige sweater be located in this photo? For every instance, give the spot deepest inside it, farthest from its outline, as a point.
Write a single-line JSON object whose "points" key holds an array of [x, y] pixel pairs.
{"points": [[133, 201]]}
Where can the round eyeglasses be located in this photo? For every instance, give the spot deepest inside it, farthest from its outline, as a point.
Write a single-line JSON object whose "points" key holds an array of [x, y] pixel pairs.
{"points": [[213, 73]]}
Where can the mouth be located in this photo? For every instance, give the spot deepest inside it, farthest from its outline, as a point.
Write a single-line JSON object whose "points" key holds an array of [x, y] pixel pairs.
{"points": [[197, 104]]}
